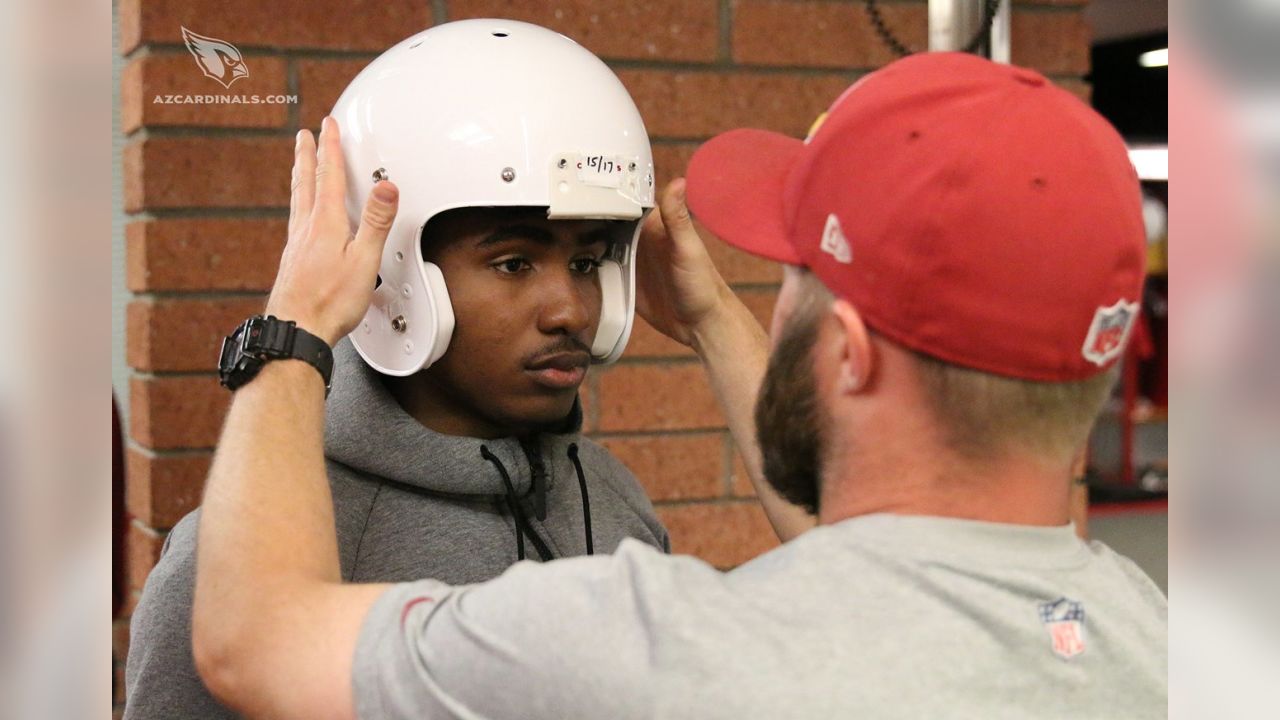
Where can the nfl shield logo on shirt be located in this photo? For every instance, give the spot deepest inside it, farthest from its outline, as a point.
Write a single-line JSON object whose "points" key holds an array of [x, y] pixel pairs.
{"points": [[1064, 619]]}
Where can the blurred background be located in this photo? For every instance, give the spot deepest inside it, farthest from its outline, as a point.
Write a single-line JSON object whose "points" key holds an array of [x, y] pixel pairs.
{"points": [[195, 200]]}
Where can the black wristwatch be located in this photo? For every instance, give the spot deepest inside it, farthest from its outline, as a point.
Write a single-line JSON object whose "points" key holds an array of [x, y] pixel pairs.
{"points": [[260, 340]]}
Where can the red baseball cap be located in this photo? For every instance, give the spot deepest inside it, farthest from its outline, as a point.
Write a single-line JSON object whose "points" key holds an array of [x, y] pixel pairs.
{"points": [[969, 210]]}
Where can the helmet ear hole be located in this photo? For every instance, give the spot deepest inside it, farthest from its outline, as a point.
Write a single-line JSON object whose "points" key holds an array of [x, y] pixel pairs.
{"points": [[613, 309]]}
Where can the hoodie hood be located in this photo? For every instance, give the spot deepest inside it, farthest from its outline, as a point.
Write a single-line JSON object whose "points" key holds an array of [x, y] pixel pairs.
{"points": [[368, 431]]}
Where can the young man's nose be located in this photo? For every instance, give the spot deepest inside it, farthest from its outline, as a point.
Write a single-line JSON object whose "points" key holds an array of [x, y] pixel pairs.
{"points": [[565, 308]]}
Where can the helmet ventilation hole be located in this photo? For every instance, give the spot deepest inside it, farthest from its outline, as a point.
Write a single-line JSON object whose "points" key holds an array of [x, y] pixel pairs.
{"points": [[500, 33]]}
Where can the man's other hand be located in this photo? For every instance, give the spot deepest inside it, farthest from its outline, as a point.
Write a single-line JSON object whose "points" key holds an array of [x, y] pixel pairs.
{"points": [[326, 276], [679, 290]]}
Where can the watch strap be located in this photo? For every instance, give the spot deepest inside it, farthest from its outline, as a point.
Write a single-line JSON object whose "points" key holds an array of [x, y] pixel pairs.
{"points": [[316, 352]]}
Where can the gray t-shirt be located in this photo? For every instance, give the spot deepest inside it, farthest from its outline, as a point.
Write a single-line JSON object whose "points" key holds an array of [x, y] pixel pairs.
{"points": [[879, 616]]}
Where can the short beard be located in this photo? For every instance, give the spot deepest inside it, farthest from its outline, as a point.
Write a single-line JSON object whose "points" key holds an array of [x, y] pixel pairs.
{"points": [[789, 423]]}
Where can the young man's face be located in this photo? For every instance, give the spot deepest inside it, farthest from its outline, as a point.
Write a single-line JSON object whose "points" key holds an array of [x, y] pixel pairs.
{"points": [[526, 300]]}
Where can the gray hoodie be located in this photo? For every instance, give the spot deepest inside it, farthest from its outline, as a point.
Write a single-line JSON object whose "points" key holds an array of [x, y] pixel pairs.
{"points": [[409, 503]]}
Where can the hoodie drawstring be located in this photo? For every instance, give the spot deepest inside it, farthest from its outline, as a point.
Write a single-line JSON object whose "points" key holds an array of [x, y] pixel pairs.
{"points": [[523, 526], [586, 501]]}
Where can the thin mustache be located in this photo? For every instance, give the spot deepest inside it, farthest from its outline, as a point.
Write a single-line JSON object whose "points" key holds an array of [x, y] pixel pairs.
{"points": [[566, 345]]}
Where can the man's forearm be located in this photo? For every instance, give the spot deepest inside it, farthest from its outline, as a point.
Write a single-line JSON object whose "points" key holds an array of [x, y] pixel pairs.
{"points": [[266, 524], [735, 350]]}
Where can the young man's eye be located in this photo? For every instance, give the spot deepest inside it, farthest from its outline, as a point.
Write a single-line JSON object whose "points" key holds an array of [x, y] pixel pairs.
{"points": [[586, 265], [511, 265]]}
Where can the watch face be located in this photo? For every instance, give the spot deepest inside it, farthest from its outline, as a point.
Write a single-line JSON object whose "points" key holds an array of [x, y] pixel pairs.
{"points": [[236, 366], [230, 349]]}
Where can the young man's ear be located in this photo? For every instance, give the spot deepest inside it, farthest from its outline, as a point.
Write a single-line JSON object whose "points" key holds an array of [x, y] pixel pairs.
{"points": [[856, 355]]}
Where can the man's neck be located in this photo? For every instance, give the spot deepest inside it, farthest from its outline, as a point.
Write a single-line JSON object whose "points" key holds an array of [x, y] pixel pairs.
{"points": [[1014, 490]]}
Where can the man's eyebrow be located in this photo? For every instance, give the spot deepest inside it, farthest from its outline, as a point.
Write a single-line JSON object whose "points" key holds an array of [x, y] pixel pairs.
{"points": [[540, 235]]}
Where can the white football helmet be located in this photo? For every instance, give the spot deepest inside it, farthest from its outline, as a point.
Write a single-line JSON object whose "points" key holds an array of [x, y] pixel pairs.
{"points": [[489, 113]]}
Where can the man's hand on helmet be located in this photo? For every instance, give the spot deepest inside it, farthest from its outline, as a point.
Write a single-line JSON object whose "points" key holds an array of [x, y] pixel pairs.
{"points": [[679, 290], [326, 276]]}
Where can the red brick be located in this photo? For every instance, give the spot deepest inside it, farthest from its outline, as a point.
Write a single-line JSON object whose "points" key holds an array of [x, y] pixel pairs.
{"points": [[1051, 42], [150, 76], [674, 467], [701, 104], [120, 638], [670, 161], [210, 172], [669, 396], [204, 253], [1079, 88], [321, 24], [162, 489], [143, 550], [668, 30], [320, 82], [725, 534], [814, 33], [181, 335], [176, 412]]}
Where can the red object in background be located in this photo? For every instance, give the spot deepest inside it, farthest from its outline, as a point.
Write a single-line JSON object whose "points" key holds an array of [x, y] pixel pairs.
{"points": [[118, 519], [1146, 370], [1139, 345], [1155, 367]]}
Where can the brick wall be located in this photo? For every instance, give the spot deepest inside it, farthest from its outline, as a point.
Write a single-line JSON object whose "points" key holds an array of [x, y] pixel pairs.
{"points": [[207, 191]]}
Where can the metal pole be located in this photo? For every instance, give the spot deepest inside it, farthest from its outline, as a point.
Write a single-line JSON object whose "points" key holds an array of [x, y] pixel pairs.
{"points": [[952, 23], [1001, 44]]}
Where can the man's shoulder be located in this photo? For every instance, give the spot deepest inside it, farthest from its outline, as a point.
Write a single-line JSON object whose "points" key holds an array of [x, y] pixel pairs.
{"points": [[1148, 593]]}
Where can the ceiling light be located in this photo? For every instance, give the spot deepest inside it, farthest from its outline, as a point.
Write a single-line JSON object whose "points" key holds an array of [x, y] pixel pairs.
{"points": [[1154, 58], [1151, 162]]}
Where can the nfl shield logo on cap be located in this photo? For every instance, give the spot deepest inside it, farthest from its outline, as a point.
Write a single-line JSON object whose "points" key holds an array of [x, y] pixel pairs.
{"points": [[1108, 332], [1064, 619]]}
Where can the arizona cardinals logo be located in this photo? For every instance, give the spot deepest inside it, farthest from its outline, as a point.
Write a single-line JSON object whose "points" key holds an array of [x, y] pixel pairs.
{"points": [[217, 59]]}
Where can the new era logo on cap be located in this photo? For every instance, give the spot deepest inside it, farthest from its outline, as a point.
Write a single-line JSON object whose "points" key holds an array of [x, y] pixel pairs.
{"points": [[834, 242]]}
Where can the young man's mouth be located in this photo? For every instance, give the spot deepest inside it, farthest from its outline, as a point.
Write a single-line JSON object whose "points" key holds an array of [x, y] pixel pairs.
{"points": [[561, 371]]}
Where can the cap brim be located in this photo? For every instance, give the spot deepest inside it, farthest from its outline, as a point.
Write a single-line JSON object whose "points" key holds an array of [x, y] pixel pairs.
{"points": [[734, 187]]}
